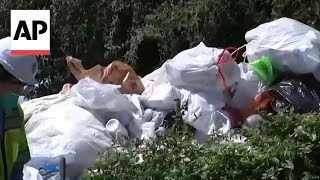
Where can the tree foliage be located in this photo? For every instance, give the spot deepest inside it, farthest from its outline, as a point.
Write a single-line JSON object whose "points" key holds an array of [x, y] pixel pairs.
{"points": [[145, 33]]}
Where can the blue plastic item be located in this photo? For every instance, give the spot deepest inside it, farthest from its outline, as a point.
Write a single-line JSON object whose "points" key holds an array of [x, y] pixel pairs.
{"points": [[49, 168]]}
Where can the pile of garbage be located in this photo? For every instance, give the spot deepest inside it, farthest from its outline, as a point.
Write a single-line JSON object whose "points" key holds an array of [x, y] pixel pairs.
{"points": [[113, 104]]}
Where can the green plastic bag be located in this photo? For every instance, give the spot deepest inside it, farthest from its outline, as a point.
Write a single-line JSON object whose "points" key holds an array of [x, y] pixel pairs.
{"points": [[263, 67]]}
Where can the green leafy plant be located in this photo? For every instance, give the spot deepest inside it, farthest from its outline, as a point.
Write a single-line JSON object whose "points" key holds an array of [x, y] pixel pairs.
{"points": [[286, 146]]}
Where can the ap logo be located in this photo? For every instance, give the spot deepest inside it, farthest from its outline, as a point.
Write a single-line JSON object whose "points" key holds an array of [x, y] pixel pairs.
{"points": [[30, 32]]}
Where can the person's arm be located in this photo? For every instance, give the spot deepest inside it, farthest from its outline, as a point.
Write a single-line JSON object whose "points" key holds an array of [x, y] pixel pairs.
{"points": [[23, 153]]}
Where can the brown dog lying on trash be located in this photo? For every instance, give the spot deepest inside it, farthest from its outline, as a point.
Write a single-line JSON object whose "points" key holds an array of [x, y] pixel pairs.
{"points": [[117, 73]]}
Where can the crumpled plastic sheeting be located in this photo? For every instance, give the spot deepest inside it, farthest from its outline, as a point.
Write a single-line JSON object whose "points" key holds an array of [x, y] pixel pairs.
{"points": [[66, 129], [291, 46], [90, 94], [128, 109], [35, 106], [30, 173], [163, 97], [145, 121], [203, 116]]}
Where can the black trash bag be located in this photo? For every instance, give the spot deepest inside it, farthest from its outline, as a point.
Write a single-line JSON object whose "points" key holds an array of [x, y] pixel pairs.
{"points": [[301, 94]]}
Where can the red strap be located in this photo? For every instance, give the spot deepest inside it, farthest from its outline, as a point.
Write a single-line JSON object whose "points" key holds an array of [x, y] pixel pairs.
{"points": [[235, 120], [221, 60]]}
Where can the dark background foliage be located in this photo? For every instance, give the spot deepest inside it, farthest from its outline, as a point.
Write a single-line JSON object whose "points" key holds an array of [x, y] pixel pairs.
{"points": [[145, 33]]}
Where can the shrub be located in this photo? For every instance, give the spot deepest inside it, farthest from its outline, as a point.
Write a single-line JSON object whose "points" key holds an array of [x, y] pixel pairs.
{"points": [[285, 147], [146, 33]]}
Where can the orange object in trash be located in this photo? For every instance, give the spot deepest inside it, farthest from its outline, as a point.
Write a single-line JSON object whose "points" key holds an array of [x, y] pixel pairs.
{"points": [[261, 102], [117, 72]]}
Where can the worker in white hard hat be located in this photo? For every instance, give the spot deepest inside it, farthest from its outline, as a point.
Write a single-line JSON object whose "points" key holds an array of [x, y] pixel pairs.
{"points": [[16, 71]]}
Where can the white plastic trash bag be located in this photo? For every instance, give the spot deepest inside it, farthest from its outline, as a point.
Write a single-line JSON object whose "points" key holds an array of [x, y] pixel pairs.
{"points": [[66, 129], [90, 94], [196, 70], [291, 45]]}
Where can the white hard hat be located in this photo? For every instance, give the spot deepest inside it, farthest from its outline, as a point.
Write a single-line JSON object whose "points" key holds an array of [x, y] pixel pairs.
{"points": [[22, 67]]}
